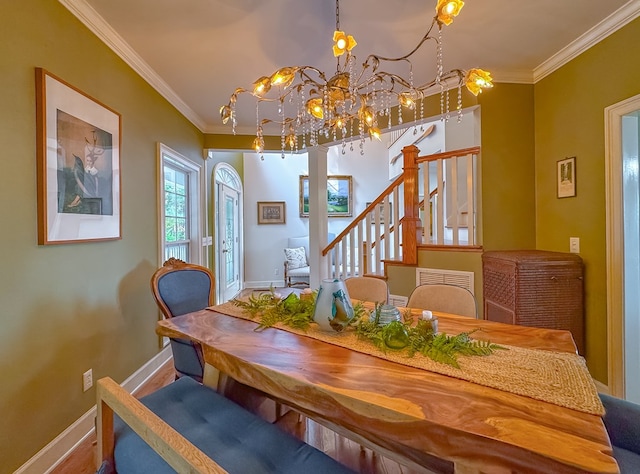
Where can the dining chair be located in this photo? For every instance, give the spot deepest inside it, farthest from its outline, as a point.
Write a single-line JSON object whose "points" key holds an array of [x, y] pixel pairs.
{"points": [[622, 421], [181, 288], [370, 289], [446, 298]]}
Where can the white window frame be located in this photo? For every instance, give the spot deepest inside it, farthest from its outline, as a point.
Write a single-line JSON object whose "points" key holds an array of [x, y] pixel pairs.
{"points": [[196, 197]]}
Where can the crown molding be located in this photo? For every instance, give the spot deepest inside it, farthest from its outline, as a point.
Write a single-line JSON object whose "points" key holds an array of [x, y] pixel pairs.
{"points": [[517, 77], [98, 26], [624, 15]]}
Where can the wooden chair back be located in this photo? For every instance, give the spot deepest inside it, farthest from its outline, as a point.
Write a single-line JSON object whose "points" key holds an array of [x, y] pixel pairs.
{"points": [[370, 289], [445, 298]]}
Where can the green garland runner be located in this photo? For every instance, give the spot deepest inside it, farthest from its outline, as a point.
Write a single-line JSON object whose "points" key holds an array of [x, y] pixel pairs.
{"points": [[297, 312], [291, 311]]}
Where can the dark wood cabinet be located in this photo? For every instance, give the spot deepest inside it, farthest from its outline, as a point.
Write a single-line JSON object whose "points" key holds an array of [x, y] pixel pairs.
{"points": [[535, 288]]}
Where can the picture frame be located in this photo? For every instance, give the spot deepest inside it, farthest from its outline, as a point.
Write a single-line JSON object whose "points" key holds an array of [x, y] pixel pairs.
{"points": [[78, 164], [339, 196], [271, 212], [566, 177], [383, 215]]}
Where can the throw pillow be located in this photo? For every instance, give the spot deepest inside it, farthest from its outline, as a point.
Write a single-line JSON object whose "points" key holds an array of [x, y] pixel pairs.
{"points": [[296, 257]]}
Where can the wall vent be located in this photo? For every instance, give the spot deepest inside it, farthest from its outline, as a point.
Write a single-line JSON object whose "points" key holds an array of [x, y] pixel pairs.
{"points": [[425, 276], [398, 301]]}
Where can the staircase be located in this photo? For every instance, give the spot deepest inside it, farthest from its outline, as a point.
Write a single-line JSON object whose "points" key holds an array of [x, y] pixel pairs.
{"points": [[401, 219]]}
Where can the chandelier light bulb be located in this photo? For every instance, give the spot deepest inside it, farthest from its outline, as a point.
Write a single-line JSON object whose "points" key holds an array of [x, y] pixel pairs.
{"points": [[374, 132], [314, 107], [477, 79], [342, 43], [262, 86], [447, 10]]}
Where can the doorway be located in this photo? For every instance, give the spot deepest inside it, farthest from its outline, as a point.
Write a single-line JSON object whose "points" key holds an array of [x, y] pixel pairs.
{"points": [[228, 231], [622, 135]]}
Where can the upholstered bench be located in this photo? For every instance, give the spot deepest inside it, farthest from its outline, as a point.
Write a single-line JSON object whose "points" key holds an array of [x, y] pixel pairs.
{"points": [[622, 421], [222, 436]]}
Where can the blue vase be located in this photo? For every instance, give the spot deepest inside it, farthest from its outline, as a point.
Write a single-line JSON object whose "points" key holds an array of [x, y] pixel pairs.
{"points": [[333, 310]]}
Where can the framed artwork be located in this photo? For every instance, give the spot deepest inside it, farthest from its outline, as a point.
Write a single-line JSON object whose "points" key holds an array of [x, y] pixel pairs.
{"points": [[383, 215], [339, 196], [271, 212], [78, 164], [567, 177]]}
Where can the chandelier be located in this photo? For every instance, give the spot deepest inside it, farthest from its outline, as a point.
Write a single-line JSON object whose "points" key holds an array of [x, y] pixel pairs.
{"points": [[354, 101]]}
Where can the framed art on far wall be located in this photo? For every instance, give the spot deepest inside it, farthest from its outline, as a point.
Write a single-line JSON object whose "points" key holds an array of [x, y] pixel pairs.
{"points": [[339, 196], [271, 212], [78, 164], [383, 215], [566, 173]]}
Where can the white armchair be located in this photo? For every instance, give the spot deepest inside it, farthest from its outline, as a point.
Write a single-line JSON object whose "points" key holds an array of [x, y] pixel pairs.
{"points": [[296, 268], [296, 263]]}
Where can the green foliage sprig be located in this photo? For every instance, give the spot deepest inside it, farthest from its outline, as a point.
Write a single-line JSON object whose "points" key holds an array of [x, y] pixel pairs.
{"points": [[271, 309], [422, 339]]}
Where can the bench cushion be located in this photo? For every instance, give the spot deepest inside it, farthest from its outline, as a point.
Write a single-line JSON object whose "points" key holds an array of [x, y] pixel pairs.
{"points": [[299, 272], [622, 420], [628, 461], [238, 440]]}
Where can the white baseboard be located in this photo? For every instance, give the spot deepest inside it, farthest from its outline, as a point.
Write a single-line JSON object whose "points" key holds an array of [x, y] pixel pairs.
{"points": [[45, 460], [264, 284]]}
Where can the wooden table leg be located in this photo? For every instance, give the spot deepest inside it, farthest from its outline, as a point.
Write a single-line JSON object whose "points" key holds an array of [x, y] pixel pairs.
{"points": [[211, 376]]}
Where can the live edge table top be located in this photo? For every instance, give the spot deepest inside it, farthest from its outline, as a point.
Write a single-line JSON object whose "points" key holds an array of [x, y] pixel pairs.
{"points": [[408, 413]]}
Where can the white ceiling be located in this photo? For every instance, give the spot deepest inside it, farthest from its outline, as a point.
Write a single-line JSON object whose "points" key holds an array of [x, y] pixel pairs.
{"points": [[197, 52]]}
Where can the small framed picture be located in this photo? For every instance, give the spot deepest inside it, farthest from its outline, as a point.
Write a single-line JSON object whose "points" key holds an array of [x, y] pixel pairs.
{"points": [[567, 177], [271, 212], [383, 215]]}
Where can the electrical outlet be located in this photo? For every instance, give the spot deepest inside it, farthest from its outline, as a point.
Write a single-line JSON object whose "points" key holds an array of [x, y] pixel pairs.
{"points": [[87, 380], [276, 272], [574, 244]]}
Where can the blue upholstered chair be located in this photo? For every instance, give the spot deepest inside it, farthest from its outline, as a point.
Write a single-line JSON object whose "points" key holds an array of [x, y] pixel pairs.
{"points": [[622, 420], [181, 288]]}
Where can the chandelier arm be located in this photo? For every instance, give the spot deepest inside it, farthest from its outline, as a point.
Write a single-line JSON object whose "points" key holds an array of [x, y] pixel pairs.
{"points": [[303, 72], [457, 73], [426, 37], [309, 79], [394, 78]]}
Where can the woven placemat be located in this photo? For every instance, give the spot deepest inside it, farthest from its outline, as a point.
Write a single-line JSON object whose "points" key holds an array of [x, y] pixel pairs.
{"points": [[560, 378]]}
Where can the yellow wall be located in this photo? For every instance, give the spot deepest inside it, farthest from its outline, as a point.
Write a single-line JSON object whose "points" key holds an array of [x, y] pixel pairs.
{"points": [[68, 308], [569, 121]]}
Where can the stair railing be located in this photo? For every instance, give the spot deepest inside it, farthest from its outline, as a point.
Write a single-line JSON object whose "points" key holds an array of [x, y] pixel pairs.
{"points": [[448, 214]]}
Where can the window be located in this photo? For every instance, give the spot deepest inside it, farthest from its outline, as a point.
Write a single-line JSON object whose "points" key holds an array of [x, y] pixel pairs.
{"points": [[180, 205], [176, 213]]}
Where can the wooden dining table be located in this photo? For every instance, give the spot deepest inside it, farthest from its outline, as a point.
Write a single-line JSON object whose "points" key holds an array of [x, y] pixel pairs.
{"points": [[408, 414]]}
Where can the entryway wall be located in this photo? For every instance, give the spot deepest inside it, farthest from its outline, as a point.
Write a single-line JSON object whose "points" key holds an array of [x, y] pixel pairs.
{"points": [[277, 179]]}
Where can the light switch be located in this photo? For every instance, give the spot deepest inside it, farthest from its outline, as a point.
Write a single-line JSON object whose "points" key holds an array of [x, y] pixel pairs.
{"points": [[574, 244]]}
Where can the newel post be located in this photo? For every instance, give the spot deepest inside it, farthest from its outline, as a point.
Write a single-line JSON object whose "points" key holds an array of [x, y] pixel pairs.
{"points": [[411, 223]]}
